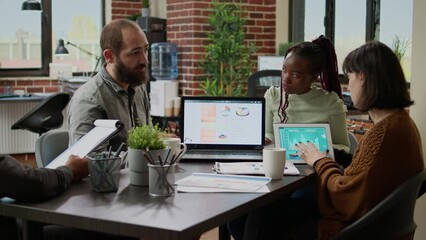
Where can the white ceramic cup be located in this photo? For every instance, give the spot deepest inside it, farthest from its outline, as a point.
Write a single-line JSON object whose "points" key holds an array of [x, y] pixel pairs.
{"points": [[274, 162], [177, 147]]}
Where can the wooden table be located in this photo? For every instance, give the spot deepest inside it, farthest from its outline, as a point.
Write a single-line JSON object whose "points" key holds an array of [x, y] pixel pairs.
{"points": [[133, 212]]}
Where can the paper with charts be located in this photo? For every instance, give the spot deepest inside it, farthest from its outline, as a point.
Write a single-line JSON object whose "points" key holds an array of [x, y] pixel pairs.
{"points": [[250, 168], [104, 129], [208, 182]]}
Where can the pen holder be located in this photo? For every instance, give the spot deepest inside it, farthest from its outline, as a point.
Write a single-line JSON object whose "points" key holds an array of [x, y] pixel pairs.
{"points": [[104, 172], [161, 180]]}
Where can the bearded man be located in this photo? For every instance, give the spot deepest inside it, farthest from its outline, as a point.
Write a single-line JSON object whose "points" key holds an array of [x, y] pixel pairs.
{"points": [[118, 90]]}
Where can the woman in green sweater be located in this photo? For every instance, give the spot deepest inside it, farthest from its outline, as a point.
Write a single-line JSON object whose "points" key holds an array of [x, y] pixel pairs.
{"points": [[298, 100]]}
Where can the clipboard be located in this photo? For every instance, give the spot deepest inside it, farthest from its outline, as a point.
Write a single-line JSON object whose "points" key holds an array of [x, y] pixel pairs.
{"points": [[104, 130]]}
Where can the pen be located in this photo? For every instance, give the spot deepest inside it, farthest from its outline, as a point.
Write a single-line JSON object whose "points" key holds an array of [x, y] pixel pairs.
{"points": [[117, 153], [109, 151]]}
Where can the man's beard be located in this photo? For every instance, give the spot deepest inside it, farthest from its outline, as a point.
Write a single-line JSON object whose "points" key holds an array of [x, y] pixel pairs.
{"points": [[133, 77]]}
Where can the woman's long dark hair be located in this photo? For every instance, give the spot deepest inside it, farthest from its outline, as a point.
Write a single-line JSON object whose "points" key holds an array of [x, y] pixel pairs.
{"points": [[323, 61]]}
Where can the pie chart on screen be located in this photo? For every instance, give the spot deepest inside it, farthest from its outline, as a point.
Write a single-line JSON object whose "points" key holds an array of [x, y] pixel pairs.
{"points": [[242, 111]]}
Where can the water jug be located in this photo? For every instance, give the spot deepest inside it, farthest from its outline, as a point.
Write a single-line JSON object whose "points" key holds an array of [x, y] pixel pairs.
{"points": [[164, 61]]}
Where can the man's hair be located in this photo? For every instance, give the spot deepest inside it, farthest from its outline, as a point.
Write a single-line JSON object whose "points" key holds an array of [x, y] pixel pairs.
{"points": [[111, 36], [384, 85], [322, 61]]}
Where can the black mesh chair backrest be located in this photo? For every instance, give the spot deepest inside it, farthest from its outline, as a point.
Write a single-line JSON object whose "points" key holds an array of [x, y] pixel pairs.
{"points": [[46, 115], [260, 81], [392, 218]]}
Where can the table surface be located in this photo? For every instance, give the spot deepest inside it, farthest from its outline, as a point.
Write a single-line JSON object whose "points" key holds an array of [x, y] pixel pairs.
{"points": [[133, 212]]}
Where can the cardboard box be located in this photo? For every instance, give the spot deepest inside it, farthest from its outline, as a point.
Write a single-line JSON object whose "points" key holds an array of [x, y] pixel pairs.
{"points": [[162, 95]]}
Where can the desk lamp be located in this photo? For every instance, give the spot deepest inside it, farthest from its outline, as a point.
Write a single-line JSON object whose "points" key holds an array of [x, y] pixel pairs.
{"points": [[61, 50]]}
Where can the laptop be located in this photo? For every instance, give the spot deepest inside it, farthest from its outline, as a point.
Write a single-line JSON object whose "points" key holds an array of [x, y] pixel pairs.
{"points": [[289, 134], [223, 128]]}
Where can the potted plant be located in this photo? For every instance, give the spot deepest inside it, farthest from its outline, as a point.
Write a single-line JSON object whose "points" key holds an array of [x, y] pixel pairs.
{"points": [[227, 63], [146, 11], [145, 144]]}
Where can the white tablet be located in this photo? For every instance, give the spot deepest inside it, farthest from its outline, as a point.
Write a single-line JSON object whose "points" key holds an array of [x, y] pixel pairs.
{"points": [[289, 134]]}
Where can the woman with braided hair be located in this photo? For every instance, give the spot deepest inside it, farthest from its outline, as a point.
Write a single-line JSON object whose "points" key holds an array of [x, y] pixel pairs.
{"points": [[299, 100]]}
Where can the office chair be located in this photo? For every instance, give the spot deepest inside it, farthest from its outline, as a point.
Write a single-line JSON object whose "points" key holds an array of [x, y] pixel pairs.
{"points": [[353, 141], [49, 145], [392, 218], [260, 81], [46, 115]]}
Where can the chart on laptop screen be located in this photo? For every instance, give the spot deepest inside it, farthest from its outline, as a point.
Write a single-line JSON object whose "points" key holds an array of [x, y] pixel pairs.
{"points": [[289, 137], [223, 122]]}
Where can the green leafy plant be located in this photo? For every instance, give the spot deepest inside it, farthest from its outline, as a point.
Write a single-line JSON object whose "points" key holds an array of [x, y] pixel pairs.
{"points": [[146, 3], [133, 17], [283, 47], [146, 137], [400, 47], [227, 63]]}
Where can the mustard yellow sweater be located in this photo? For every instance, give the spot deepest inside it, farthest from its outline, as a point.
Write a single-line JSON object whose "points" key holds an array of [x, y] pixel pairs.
{"points": [[387, 155]]}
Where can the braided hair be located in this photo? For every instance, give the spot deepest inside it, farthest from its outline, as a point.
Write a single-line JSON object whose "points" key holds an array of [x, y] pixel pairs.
{"points": [[323, 61]]}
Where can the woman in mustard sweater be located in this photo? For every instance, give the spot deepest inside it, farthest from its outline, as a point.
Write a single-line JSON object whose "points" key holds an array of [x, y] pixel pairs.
{"points": [[390, 152]]}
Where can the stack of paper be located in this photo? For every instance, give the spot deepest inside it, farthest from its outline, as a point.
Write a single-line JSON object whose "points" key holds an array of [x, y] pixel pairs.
{"points": [[250, 168], [208, 182]]}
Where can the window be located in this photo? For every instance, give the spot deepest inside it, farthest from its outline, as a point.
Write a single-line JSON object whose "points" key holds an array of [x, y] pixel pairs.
{"points": [[80, 26], [314, 21], [20, 39], [396, 24], [27, 43], [351, 23]]}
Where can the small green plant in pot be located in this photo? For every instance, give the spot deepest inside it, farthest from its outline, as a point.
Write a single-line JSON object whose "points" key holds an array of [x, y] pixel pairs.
{"points": [[146, 137], [145, 11], [145, 143]]}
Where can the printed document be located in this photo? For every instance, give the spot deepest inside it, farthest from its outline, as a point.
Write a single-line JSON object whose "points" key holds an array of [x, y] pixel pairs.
{"points": [[250, 168], [208, 182]]}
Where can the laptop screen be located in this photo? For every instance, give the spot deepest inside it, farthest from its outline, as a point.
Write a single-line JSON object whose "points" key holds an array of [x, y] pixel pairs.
{"points": [[288, 135], [223, 122]]}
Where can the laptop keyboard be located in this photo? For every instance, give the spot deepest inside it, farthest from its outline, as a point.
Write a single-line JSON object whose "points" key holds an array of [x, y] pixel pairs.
{"points": [[223, 155], [224, 152]]}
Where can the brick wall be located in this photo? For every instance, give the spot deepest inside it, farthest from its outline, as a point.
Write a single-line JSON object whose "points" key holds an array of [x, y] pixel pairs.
{"points": [[30, 84], [187, 27], [124, 8]]}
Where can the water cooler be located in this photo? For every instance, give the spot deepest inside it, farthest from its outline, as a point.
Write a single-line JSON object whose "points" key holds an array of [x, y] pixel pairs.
{"points": [[165, 72], [163, 86]]}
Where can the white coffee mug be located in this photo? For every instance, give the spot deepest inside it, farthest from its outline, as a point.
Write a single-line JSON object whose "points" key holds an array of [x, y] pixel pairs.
{"points": [[274, 162], [177, 148]]}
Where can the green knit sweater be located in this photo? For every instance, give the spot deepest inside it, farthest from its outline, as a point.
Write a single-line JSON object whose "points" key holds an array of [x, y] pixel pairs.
{"points": [[315, 106]]}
